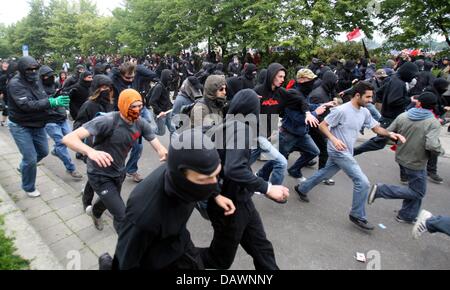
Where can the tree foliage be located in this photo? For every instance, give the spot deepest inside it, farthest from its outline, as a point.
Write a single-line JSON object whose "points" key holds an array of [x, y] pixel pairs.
{"points": [[411, 22], [140, 27]]}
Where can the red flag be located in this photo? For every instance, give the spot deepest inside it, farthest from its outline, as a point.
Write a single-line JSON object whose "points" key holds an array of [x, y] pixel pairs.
{"points": [[354, 34], [415, 52]]}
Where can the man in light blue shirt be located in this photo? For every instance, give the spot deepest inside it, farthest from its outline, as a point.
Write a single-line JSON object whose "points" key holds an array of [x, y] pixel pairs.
{"points": [[341, 128]]}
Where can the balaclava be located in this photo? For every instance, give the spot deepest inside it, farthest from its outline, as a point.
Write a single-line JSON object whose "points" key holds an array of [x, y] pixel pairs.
{"points": [[126, 99], [204, 160]]}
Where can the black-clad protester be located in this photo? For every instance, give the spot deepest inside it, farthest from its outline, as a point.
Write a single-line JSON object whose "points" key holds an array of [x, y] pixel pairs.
{"points": [[154, 235], [28, 106], [80, 93], [234, 140]]}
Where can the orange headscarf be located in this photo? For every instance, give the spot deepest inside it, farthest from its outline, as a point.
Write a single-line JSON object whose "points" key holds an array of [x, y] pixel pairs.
{"points": [[126, 99]]}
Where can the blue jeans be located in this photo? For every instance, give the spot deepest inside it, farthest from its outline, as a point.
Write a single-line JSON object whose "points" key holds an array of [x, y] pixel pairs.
{"points": [[164, 122], [135, 155], [374, 112], [439, 224], [274, 168], [136, 150], [361, 184], [57, 131], [147, 115], [33, 145], [412, 195], [305, 144]]}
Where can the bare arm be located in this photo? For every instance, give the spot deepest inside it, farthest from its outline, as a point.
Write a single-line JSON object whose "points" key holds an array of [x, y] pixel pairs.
{"points": [[160, 149], [75, 143]]}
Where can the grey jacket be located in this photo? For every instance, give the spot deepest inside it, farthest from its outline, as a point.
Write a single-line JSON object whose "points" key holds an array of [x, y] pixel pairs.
{"points": [[422, 139]]}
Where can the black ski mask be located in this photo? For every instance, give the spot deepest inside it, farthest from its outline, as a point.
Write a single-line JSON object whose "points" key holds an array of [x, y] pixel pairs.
{"points": [[49, 81], [28, 68], [204, 161]]}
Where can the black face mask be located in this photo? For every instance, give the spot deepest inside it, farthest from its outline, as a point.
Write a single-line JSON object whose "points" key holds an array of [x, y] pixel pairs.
{"points": [[86, 84], [31, 76], [178, 185], [205, 161], [49, 81], [306, 88], [219, 103]]}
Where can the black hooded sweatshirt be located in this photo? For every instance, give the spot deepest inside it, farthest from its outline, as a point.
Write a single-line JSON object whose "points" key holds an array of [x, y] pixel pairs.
{"points": [[79, 94], [245, 81], [154, 235], [28, 103], [274, 102], [394, 94], [325, 93], [439, 87], [90, 109], [239, 182], [56, 115], [159, 98]]}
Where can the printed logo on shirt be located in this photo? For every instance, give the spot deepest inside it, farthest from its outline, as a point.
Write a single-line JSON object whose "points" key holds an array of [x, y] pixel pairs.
{"points": [[270, 102]]}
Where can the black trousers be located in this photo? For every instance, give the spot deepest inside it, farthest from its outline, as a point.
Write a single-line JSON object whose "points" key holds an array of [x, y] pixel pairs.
{"points": [[432, 164], [376, 143], [321, 142], [108, 190], [244, 228], [88, 195]]}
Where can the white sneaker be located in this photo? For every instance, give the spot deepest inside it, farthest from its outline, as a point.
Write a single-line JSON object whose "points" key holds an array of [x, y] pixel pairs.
{"points": [[301, 179], [98, 222], [421, 227], [34, 194]]}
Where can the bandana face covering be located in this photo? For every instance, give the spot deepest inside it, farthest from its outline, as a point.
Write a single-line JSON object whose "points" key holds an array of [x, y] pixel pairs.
{"points": [[133, 114]]}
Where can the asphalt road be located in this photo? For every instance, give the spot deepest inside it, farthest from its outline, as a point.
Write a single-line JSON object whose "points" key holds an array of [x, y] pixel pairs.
{"points": [[319, 235]]}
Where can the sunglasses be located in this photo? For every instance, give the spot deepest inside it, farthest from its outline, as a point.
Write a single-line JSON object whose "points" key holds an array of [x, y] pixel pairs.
{"points": [[222, 89]]}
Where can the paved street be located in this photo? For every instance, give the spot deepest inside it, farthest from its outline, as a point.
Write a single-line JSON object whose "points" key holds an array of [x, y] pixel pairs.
{"points": [[305, 236]]}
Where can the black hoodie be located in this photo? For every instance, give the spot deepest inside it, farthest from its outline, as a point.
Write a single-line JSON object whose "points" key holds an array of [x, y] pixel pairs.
{"points": [[79, 94], [239, 182], [56, 115], [27, 101], [159, 97], [245, 81], [154, 236], [438, 88], [274, 102], [325, 93], [394, 94]]}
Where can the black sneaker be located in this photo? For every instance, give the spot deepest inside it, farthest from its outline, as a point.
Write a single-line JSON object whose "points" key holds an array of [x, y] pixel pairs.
{"points": [[311, 163], [403, 221], [404, 180], [295, 174], [105, 262], [435, 178], [303, 196], [363, 224]]}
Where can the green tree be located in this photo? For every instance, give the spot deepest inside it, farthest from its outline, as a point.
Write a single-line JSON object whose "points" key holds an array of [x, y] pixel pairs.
{"points": [[413, 21]]}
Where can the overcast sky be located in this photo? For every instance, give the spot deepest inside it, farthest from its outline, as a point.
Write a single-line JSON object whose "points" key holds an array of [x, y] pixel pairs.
{"points": [[13, 11]]}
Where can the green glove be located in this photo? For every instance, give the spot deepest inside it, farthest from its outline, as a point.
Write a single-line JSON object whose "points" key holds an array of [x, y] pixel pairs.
{"points": [[61, 101]]}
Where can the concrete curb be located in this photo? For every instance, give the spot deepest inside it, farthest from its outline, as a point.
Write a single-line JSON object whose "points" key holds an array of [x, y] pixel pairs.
{"points": [[28, 242]]}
